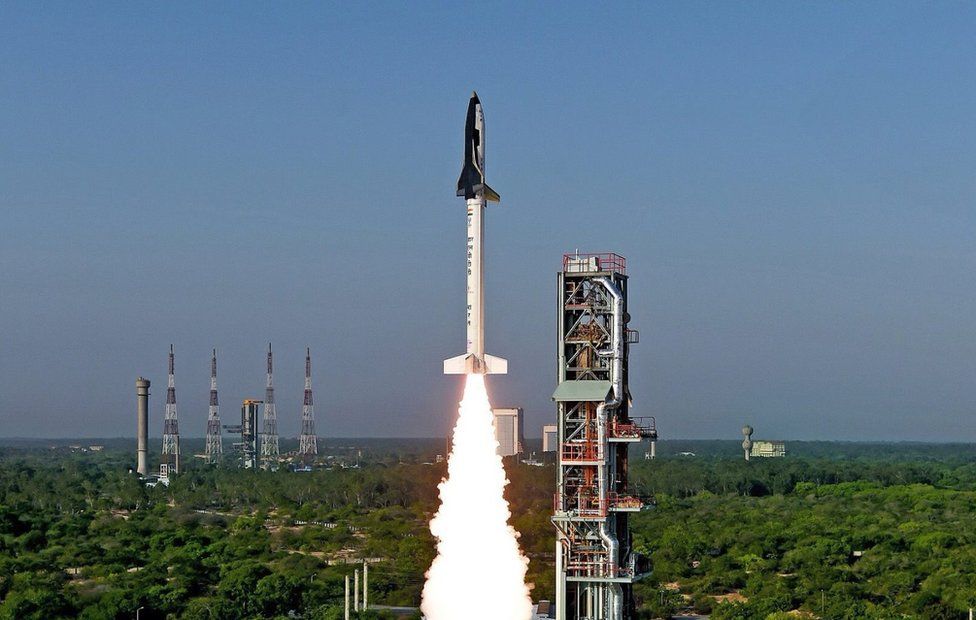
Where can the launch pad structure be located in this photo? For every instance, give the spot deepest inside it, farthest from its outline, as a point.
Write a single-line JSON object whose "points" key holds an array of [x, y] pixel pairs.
{"points": [[596, 566], [247, 447]]}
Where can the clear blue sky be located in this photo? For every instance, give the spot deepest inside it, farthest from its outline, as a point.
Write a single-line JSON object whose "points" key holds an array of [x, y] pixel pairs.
{"points": [[792, 183]]}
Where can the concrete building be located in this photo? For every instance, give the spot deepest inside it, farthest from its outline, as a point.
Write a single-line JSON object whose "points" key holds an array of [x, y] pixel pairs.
{"points": [[509, 430], [768, 448], [550, 437]]}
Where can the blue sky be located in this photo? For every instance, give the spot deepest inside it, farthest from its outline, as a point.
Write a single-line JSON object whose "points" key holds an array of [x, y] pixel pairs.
{"points": [[792, 184]]}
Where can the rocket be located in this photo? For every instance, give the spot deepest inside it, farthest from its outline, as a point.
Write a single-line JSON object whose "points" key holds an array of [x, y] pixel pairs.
{"points": [[471, 184]]}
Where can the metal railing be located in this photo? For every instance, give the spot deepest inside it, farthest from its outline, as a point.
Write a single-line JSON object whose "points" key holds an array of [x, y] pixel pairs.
{"points": [[594, 262], [636, 428], [578, 452]]}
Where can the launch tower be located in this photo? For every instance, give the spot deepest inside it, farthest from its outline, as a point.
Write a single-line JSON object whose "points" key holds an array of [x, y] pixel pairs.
{"points": [[595, 564], [307, 442], [170, 463], [214, 448], [269, 433]]}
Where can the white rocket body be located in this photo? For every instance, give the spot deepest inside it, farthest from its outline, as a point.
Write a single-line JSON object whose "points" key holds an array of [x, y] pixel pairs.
{"points": [[472, 186]]}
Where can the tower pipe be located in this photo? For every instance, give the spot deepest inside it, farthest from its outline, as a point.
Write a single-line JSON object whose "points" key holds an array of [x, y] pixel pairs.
{"points": [[616, 381]]}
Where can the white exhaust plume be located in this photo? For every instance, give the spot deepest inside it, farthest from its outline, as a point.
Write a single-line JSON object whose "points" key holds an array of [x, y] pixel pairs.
{"points": [[479, 571]]}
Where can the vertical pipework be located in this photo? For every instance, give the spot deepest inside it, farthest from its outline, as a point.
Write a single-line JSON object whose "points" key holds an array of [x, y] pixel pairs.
{"points": [[142, 426], [616, 354]]}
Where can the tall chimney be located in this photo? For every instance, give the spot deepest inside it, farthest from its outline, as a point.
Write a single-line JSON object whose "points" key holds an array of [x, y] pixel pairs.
{"points": [[142, 426]]}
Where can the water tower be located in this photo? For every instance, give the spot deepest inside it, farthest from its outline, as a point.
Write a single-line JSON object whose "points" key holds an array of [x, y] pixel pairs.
{"points": [[747, 441]]}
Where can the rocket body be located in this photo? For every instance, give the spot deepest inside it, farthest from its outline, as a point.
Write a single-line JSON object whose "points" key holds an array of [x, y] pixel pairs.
{"points": [[476, 277], [471, 185]]}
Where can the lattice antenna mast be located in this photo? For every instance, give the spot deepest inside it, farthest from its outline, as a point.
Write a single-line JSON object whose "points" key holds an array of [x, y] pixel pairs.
{"points": [[214, 445], [170, 464], [308, 443], [269, 436]]}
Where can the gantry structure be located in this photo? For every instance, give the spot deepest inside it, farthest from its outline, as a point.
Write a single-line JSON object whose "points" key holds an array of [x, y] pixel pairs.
{"points": [[170, 463], [595, 563], [269, 433], [214, 448], [307, 441]]}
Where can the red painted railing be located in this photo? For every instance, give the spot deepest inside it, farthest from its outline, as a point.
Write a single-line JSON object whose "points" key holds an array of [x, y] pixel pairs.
{"points": [[576, 452]]}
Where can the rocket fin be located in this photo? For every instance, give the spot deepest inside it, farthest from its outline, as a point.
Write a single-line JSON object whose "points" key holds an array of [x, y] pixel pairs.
{"points": [[459, 365], [469, 364], [495, 365]]}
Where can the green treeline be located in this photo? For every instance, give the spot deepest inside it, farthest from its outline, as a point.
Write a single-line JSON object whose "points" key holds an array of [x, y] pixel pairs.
{"points": [[863, 537], [861, 533], [79, 538]]}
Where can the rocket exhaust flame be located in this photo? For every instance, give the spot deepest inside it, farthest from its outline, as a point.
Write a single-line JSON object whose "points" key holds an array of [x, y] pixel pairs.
{"points": [[479, 571]]}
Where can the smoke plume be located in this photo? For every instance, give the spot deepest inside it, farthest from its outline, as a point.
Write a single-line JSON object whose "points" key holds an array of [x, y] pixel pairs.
{"points": [[479, 571]]}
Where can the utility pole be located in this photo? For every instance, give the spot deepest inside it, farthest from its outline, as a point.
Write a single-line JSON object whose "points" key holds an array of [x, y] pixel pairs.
{"points": [[366, 586], [355, 596]]}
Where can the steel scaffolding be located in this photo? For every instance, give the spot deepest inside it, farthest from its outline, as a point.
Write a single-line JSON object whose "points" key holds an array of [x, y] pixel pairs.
{"points": [[595, 563]]}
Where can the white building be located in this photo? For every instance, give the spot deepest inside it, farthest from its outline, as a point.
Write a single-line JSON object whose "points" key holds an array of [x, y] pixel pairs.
{"points": [[768, 448], [508, 430], [550, 437]]}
